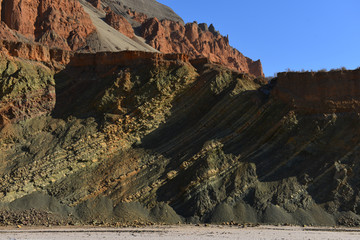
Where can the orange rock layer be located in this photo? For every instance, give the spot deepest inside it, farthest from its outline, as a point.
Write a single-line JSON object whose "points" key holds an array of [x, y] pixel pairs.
{"points": [[320, 92]]}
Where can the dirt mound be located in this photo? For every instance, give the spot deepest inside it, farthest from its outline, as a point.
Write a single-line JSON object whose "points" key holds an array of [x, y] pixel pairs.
{"points": [[163, 213], [132, 212]]}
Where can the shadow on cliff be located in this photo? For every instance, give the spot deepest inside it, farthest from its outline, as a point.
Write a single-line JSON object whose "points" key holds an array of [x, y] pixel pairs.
{"points": [[76, 89]]}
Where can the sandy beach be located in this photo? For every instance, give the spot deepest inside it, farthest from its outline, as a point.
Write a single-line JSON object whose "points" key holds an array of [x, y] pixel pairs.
{"points": [[181, 232]]}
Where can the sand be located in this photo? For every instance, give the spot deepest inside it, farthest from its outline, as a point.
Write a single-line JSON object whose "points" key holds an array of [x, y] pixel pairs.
{"points": [[181, 232]]}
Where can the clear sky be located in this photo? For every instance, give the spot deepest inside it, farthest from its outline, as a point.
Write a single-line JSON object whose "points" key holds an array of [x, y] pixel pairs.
{"points": [[295, 34]]}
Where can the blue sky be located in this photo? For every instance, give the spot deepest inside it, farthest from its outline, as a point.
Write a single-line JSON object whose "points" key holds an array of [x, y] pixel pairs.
{"points": [[309, 35]]}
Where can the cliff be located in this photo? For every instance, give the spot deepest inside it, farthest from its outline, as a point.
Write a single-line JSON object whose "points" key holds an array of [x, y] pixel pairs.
{"points": [[320, 92], [197, 41], [62, 24], [35, 52]]}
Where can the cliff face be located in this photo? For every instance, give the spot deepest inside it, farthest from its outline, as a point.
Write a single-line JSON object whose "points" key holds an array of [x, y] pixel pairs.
{"points": [[320, 92], [36, 52], [197, 41], [62, 24], [119, 23]]}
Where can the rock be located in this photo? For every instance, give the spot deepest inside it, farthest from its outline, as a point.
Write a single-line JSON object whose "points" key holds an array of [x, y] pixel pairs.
{"points": [[35, 52], [124, 58], [6, 33], [306, 91], [62, 24], [136, 16], [33, 96], [119, 23], [203, 27], [96, 3], [197, 41]]}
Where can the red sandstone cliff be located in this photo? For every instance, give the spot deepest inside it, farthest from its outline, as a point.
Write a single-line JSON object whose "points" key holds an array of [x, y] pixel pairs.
{"points": [[56, 23], [197, 41]]}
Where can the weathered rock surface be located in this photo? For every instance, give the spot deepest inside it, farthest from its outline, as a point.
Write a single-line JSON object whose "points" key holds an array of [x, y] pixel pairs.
{"points": [[27, 90], [35, 52], [197, 41], [62, 24], [6, 33], [119, 23], [320, 92]]}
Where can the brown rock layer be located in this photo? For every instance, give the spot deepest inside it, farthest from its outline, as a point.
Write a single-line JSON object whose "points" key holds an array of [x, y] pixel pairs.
{"points": [[320, 92], [119, 23], [62, 24], [123, 58]]}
